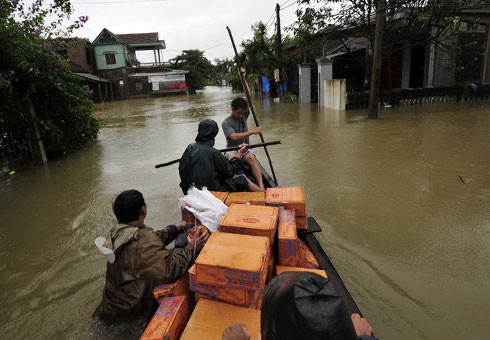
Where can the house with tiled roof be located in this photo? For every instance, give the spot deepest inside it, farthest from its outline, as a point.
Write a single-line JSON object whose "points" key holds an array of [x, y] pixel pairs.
{"points": [[116, 60]]}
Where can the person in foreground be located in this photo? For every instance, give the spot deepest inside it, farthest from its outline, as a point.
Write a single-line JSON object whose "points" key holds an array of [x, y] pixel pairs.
{"points": [[141, 261], [237, 133], [303, 305], [201, 165]]}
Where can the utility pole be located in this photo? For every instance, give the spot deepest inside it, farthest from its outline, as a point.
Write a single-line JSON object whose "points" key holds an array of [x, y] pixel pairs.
{"points": [[279, 50], [377, 60]]}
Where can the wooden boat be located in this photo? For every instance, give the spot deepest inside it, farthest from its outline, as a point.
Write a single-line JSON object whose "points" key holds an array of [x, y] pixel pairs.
{"points": [[307, 236], [326, 264]]}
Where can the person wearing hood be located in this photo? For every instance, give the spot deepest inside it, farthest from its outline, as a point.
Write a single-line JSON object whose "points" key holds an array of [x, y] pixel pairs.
{"points": [[304, 305], [201, 165], [141, 260]]}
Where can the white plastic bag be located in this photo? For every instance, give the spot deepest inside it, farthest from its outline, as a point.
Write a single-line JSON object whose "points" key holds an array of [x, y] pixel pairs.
{"points": [[205, 207]]}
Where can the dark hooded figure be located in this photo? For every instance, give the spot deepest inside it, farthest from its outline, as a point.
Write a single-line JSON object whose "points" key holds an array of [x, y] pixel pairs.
{"points": [[202, 165], [302, 305]]}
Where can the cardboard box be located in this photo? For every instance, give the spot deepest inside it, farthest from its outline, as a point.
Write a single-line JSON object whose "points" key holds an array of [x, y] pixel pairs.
{"points": [[282, 269], [288, 197], [169, 320], [186, 215], [254, 198], [251, 220], [233, 260], [210, 318], [253, 303], [179, 287], [306, 258], [301, 222], [286, 236], [235, 296], [221, 195]]}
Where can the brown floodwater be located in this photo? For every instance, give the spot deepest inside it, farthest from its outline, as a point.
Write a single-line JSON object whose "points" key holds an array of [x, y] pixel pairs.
{"points": [[404, 203]]}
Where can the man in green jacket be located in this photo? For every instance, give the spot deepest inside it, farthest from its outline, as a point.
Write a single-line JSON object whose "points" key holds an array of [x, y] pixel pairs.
{"points": [[141, 262]]}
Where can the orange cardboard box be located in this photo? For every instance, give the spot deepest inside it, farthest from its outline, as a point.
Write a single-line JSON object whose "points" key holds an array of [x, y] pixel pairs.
{"points": [[306, 258], [210, 318], [286, 234], [179, 287], [253, 303], [301, 222], [253, 220], [221, 195], [288, 197], [235, 296], [282, 269], [234, 260], [186, 215], [254, 198], [257, 210], [169, 319]]}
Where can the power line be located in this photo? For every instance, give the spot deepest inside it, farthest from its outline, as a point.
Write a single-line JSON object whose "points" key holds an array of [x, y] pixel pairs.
{"points": [[288, 6], [284, 3], [117, 2]]}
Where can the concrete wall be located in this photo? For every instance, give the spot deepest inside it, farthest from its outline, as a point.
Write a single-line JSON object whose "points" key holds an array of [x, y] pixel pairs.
{"points": [[304, 83], [325, 72], [335, 94]]}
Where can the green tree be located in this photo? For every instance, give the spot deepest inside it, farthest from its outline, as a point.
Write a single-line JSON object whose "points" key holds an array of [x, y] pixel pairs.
{"points": [[222, 69], [201, 71], [256, 56], [34, 70], [257, 53]]}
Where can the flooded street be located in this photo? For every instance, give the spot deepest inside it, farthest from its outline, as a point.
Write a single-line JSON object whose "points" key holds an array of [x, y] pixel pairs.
{"points": [[404, 203]]}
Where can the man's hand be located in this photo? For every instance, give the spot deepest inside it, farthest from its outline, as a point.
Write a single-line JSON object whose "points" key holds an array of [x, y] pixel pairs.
{"points": [[241, 151], [255, 130], [199, 240], [361, 325]]}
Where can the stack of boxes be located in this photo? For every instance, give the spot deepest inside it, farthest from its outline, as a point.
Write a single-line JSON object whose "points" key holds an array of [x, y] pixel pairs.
{"points": [[232, 268], [230, 274]]}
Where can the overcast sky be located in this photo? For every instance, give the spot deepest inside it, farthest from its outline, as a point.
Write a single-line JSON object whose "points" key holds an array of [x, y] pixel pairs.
{"points": [[184, 24]]}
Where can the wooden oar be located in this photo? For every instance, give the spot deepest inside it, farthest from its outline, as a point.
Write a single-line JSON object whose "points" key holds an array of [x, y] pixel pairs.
{"points": [[224, 150], [247, 93]]}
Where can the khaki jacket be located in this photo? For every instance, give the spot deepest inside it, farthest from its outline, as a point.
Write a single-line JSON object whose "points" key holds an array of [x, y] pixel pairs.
{"points": [[142, 262]]}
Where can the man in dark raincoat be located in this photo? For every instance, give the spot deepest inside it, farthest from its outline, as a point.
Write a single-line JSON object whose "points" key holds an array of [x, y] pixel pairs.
{"points": [[202, 165], [141, 261]]}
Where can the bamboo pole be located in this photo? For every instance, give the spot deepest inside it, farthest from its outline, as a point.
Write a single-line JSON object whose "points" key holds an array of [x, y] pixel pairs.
{"points": [[224, 150], [248, 95]]}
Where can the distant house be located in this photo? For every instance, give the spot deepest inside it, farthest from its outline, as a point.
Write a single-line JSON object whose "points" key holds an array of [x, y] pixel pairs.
{"points": [[463, 59], [81, 58], [116, 60]]}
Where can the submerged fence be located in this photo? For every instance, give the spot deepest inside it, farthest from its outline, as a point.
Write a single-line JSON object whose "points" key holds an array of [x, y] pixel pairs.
{"points": [[419, 96], [14, 154]]}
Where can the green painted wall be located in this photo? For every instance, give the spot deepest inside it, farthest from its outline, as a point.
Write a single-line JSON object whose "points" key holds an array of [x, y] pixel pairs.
{"points": [[100, 60]]}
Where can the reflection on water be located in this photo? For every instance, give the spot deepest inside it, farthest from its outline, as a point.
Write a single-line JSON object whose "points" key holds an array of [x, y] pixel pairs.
{"points": [[409, 237]]}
